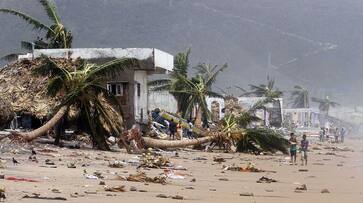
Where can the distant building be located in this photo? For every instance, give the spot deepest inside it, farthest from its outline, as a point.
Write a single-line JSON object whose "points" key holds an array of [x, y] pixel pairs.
{"points": [[130, 87], [271, 114]]}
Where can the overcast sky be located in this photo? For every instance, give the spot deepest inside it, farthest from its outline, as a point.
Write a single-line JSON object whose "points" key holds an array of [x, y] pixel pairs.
{"points": [[314, 43]]}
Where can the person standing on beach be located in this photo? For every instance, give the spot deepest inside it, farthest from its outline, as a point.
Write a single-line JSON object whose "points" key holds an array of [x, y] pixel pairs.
{"points": [[342, 134], [179, 131], [322, 134], [304, 150], [172, 129], [336, 135], [293, 149]]}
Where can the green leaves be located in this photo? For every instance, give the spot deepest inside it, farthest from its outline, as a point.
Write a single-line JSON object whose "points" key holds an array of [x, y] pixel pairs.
{"points": [[32, 21]]}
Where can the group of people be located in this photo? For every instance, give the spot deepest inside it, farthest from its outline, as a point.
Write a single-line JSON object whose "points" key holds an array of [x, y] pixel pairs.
{"points": [[303, 149], [339, 134]]}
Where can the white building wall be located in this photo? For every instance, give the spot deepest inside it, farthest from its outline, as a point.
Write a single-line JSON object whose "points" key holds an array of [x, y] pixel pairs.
{"points": [[210, 100], [162, 100], [140, 77]]}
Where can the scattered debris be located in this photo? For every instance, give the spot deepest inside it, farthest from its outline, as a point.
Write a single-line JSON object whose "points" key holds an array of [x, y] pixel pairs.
{"points": [[102, 183], [302, 188], [154, 161], [223, 179], [325, 191], [13, 178], [219, 159], [36, 196], [246, 194], [117, 164], [193, 180], [177, 197], [264, 179], [133, 189], [115, 188], [162, 196], [303, 170], [71, 165], [2, 194], [141, 177], [250, 168], [56, 191]]}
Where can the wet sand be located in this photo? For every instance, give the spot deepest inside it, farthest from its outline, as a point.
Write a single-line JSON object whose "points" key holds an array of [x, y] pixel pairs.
{"points": [[340, 172]]}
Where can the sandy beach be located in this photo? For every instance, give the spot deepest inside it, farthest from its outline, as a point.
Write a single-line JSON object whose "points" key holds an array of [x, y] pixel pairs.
{"points": [[339, 170]]}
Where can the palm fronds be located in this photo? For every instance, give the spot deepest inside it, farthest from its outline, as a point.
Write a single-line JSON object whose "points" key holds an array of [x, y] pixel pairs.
{"points": [[257, 140], [32, 21]]}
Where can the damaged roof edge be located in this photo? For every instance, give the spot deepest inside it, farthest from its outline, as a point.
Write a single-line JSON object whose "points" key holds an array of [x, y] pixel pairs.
{"points": [[162, 61]]}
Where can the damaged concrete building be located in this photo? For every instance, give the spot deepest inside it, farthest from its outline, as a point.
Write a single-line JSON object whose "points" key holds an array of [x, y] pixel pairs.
{"points": [[130, 86]]}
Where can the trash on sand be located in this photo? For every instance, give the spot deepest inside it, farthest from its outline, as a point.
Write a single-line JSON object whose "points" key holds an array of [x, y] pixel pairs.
{"points": [[2, 194], [71, 165], [162, 196], [20, 179], [115, 188], [134, 162], [302, 187], [43, 198], [200, 159], [172, 175], [117, 164], [303, 170], [56, 190], [152, 161], [141, 177], [246, 194], [250, 168], [219, 159], [177, 197], [264, 179], [325, 191], [88, 176]]}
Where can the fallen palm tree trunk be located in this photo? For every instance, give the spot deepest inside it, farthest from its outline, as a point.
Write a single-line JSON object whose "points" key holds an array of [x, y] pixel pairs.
{"points": [[29, 136], [164, 144]]}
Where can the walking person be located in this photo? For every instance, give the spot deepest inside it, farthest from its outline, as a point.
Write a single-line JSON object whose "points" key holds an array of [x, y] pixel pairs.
{"points": [[293, 148], [304, 150]]}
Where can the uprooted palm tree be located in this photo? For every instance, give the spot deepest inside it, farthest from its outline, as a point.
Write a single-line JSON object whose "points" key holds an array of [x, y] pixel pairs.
{"points": [[325, 104], [300, 97], [57, 35], [84, 90], [175, 82]]}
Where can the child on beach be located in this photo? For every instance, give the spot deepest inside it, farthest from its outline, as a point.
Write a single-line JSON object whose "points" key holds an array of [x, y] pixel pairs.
{"points": [[304, 150], [293, 148]]}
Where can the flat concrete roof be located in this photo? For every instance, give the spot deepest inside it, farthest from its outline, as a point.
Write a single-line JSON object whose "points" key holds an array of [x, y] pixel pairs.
{"points": [[159, 60]]}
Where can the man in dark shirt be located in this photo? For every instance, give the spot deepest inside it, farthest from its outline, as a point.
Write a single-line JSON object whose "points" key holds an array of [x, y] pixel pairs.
{"points": [[172, 129]]}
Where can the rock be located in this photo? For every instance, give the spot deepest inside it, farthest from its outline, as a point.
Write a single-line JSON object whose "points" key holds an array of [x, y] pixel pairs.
{"points": [[325, 191], [133, 189], [246, 194], [161, 196]]}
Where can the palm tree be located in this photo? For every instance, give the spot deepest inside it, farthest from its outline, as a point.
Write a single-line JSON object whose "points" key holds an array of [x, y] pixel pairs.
{"points": [[175, 81], [84, 90], [270, 93], [265, 90], [210, 72], [300, 97], [57, 35], [197, 90], [325, 104]]}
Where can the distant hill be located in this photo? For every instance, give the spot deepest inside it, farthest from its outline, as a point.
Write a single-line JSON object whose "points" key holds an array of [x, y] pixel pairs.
{"points": [[322, 40]]}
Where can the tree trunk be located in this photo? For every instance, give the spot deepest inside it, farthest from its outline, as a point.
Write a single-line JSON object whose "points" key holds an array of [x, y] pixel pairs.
{"points": [[29, 136], [167, 144], [198, 118]]}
